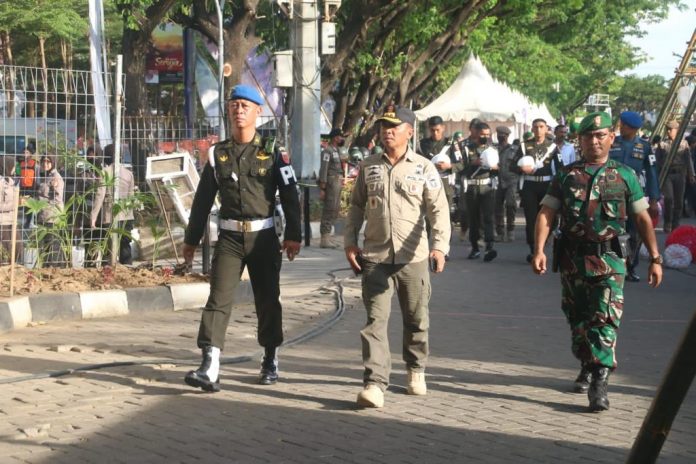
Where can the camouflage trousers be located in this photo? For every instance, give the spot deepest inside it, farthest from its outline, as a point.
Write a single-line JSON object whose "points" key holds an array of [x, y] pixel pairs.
{"points": [[592, 301]]}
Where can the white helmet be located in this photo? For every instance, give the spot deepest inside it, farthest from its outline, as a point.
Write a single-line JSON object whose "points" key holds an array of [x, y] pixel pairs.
{"points": [[489, 157], [440, 157], [526, 161]]}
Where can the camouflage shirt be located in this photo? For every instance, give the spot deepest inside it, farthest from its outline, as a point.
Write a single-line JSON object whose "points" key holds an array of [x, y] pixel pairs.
{"points": [[594, 200]]}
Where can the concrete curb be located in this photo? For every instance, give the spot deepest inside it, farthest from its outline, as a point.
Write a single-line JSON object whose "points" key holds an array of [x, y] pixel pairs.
{"points": [[18, 312]]}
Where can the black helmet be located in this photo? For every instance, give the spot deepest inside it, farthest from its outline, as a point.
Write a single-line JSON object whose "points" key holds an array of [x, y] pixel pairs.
{"points": [[365, 152], [377, 150]]}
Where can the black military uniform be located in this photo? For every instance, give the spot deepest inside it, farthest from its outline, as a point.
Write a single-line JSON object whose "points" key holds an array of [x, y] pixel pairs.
{"points": [[430, 148], [534, 186], [478, 187], [246, 177]]}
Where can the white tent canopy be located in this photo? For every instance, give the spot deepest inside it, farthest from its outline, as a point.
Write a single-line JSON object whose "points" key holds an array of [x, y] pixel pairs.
{"points": [[475, 94]]}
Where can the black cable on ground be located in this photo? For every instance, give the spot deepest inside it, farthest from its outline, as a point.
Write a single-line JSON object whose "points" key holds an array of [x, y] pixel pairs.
{"points": [[336, 287]]}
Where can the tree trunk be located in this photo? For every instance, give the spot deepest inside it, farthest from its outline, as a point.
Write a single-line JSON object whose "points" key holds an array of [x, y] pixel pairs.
{"points": [[44, 75]]}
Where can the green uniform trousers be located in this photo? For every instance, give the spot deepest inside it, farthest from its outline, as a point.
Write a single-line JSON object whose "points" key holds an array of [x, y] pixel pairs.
{"points": [[412, 284], [260, 252], [593, 305]]}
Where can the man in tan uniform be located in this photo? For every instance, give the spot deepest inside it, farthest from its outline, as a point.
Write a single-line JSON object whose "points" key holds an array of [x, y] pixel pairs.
{"points": [[395, 192]]}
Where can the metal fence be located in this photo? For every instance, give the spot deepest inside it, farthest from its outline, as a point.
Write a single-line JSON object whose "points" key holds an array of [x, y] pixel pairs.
{"points": [[60, 218]]}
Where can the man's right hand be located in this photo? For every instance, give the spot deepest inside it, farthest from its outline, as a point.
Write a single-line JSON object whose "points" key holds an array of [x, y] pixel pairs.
{"points": [[187, 251], [527, 169], [352, 253], [539, 263]]}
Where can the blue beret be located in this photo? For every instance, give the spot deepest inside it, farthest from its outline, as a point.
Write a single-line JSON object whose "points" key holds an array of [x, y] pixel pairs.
{"points": [[631, 119], [246, 92]]}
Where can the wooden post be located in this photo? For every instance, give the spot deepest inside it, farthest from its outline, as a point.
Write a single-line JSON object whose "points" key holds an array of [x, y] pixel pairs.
{"points": [[14, 238], [667, 401]]}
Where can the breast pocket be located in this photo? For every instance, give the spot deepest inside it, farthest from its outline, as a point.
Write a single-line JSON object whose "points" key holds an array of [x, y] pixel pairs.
{"points": [[261, 167], [613, 206], [376, 206]]}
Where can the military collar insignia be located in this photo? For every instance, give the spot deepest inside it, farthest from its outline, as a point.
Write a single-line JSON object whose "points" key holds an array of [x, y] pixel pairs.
{"points": [[223, 158], [257, 140]]}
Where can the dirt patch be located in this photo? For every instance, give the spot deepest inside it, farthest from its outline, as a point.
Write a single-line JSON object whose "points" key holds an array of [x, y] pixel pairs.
{"points": [[33, 281]]}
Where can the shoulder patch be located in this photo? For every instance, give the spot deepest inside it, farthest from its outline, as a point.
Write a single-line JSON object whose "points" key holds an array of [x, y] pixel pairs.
{"points": [[284, 154]]}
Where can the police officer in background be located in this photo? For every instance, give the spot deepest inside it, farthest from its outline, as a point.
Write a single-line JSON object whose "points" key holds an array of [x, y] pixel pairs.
{"points": [[536, 176], [593, 199], [245, 171], [628, 148], [479, 180], [436, 142], [330, 179], [438, 148], [394, 193], [457, 169], [679, 172], [506, 193]]}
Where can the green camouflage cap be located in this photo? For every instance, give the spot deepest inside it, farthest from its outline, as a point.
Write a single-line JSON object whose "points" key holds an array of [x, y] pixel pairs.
{"points": [[594, 121]]}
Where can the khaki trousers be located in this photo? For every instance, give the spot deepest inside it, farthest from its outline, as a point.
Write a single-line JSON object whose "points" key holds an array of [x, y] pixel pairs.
{"points": [[412, 284]]}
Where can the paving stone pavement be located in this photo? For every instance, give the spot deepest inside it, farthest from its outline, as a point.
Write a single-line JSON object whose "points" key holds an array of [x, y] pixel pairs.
{"points": [[499, 379]]}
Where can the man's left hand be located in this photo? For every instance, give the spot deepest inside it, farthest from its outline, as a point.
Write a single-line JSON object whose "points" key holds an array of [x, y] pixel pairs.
{"points": [[291, 248], [439, 258], [654, 275], [443, 165]]}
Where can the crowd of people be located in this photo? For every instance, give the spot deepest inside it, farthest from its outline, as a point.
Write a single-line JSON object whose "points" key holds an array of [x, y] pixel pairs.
{"points": [[399, 225], [39, 177]]}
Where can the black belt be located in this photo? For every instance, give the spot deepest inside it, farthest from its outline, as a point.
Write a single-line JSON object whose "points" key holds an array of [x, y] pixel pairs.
{"points": [[590, 248]]}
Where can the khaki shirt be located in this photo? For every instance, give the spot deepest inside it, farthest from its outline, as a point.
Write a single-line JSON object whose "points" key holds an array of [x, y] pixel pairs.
{"points": [[51, 190], [395, 201], [330, 164], [104, 202]]}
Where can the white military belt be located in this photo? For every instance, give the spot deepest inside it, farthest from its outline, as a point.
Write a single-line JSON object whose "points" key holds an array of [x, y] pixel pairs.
{"points": [[537, 178], [245, 226], [485, 181]]}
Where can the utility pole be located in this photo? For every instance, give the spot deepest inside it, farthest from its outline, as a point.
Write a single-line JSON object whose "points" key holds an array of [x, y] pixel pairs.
{"points": [[306, 104]]}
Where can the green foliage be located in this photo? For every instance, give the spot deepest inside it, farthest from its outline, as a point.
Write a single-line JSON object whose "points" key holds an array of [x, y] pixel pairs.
{"points": [[642, 94]]}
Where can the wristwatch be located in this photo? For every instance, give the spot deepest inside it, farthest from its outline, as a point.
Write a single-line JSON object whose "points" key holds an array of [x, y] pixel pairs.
{"points": [[656, 259]]}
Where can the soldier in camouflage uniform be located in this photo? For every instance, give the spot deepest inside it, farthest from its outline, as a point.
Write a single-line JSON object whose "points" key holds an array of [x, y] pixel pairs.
{"points": [[628, 148], [245, 171], [593, 199], [330, 179]]}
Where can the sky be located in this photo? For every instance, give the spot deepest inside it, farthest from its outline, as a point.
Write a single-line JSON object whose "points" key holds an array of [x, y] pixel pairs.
{"points": [[665, 38]]}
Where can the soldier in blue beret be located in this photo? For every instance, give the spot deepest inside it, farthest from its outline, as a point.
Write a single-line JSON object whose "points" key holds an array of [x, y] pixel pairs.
{"points": [[244, 172], [628, 148]]}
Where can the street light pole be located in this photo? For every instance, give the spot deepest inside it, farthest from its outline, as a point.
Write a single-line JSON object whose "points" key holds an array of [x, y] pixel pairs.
{"points": [[219, 5]]}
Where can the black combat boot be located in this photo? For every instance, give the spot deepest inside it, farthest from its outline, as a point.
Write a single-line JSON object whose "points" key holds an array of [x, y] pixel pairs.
{"points": [[206, 377], [631, 275], [475, 253], [269, 367], [597, 394], [490, 253], [582, 382]]}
